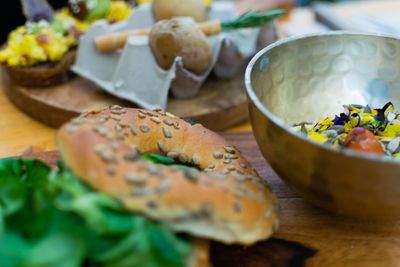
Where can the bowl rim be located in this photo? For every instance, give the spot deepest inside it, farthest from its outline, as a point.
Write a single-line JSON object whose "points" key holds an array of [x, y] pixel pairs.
{"points": [[280, 123]]}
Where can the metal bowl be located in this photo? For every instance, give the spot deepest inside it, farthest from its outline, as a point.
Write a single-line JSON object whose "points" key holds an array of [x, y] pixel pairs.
{"points": [[310, 77]]}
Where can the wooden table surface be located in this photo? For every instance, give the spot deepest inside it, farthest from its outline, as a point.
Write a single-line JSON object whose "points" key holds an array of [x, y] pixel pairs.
{"points": [[21, 135]]}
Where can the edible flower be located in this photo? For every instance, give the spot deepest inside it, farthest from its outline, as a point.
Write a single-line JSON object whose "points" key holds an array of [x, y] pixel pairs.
{"points": [[318, 137], [324, 124], [341, 119], [391, 131], [359, 128]]}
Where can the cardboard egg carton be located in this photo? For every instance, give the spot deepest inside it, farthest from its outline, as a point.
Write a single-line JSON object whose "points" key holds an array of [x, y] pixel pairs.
{"points": [[133, 73]]}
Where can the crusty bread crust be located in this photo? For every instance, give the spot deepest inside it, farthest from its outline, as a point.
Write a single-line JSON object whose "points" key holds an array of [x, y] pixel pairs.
{"points": [[43, 75], [227, 201]]}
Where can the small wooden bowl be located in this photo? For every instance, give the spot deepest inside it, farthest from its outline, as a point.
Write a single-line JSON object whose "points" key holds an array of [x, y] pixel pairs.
{"points": [[43, 75]]}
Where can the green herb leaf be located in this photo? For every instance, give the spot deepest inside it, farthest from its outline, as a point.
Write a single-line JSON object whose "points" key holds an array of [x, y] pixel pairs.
{"points": [[15, 176], [252, 19], [156, 158], [58, 26], [168, 245], [13, 250], [375, 124], [181, 167], [59, 249], [99, 11]]}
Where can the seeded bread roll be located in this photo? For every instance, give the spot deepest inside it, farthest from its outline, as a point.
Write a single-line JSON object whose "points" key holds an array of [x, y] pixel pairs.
{"points": [[226, 201]]}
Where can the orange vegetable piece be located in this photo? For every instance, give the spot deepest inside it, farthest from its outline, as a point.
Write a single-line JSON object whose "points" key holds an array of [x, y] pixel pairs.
{"points": [[363, 140]]}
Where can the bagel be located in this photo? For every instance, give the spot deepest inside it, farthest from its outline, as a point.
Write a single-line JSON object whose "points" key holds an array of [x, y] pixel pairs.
{"points": [[222, 199]]}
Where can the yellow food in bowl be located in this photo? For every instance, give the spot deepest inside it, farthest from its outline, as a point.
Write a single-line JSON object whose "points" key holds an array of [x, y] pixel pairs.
{"points": [[26, 48], [45, 42], [119, 11]]}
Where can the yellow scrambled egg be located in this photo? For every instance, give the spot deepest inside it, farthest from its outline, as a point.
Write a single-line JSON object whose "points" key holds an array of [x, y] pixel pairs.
{"points": [[26, 48], [119, 11]]}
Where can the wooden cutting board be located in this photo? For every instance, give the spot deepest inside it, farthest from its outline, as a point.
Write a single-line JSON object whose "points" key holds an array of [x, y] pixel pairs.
{"points": [[219, 105], [307, 236]]}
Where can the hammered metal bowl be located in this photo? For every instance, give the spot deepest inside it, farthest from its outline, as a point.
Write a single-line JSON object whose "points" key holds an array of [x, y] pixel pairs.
{"points": [[310, 77]]}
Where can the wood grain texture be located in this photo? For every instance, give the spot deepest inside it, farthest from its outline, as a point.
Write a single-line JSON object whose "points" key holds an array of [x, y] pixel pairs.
{"points": [[219, 105], [19, 134], [307, 236]]}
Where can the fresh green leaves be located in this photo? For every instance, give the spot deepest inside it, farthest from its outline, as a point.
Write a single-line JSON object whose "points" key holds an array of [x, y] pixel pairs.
{"points": [[168, 244], [13, 250], [50, 218], [252, 19], [64, 249], [16, 176]]}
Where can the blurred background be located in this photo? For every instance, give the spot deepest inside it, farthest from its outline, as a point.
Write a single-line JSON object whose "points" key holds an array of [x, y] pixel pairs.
{"points": [[306, 16], [11, 13]]}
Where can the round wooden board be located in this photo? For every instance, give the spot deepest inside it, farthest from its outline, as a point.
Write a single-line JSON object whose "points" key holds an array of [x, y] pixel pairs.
{"points": [[219, 105]]}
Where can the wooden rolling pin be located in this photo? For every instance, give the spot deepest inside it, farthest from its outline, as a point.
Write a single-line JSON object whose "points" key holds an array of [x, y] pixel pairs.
{"points": [[113, 41]]}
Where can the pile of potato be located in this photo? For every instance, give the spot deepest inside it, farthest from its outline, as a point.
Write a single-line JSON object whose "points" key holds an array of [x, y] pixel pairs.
{"points": [[173, 37]]}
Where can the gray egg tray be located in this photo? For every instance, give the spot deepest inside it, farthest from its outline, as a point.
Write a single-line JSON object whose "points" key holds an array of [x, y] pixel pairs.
{"points": [[133, 74]]}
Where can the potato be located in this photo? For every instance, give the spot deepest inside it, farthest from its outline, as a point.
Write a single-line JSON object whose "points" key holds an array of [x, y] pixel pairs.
{"points": [[168, 9], [180, 38]]}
